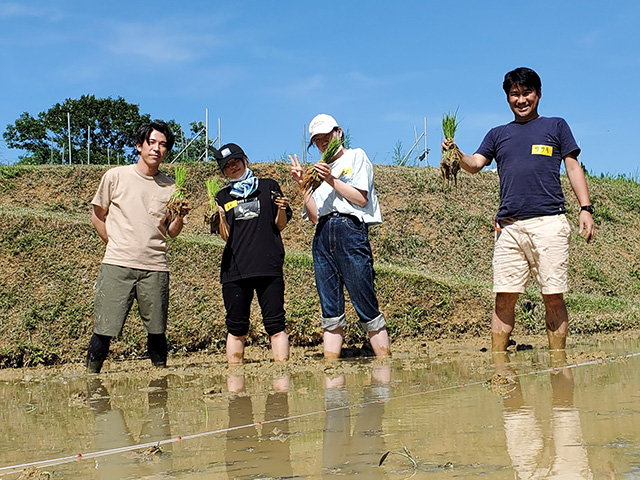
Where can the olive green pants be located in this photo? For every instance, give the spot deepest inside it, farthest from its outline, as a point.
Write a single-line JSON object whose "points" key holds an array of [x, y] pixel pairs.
{"points": [[116, 289]]}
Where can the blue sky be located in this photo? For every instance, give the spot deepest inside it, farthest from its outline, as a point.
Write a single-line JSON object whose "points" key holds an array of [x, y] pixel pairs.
{"points": [[266, 68]]}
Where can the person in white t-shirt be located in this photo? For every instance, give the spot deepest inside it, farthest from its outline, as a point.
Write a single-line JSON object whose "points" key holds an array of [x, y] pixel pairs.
{"points": [[342, 208], [130, 215]]}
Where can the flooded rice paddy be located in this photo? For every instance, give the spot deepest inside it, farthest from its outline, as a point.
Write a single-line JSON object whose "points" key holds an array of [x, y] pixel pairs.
{"points": [[459, 414]]}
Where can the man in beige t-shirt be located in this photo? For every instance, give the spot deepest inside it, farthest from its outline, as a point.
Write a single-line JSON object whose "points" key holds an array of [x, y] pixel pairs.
{"points": [[130, 215]]}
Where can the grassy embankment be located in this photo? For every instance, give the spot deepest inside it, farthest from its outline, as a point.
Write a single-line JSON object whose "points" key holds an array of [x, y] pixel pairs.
{"points": [[433, 264]]}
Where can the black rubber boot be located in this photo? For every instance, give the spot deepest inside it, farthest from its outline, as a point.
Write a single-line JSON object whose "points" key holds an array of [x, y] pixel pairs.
{"points": [[157, 349], [97, 352], [94, 366]]}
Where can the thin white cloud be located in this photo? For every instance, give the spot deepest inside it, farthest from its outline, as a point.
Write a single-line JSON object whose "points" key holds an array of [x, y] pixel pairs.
{"points": [[621, 25], [344, 84], [360, 80], [592, 36], [160, 42], [265, 52], [303, 88], [17, 10]]}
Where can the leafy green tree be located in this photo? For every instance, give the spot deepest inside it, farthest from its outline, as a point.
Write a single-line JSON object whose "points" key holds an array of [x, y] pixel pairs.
{"points": [[112, 124], [30, 134], [191, 148]]}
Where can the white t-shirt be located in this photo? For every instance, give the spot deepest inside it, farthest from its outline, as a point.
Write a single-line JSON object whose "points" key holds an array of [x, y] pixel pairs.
{"points": [[137, 215], [355, 169]]}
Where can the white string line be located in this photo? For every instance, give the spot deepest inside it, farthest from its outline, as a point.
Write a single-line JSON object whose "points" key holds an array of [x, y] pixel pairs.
{"points": [[139, 446]]}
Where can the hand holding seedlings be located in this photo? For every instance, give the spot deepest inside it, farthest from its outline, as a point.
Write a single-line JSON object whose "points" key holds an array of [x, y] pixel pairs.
{"points": [[184, 209], [323, 170], [451, 155], [312, 176]]}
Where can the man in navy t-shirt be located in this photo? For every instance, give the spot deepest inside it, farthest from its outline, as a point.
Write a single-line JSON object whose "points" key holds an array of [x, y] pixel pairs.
{"points": [[532, 233]]}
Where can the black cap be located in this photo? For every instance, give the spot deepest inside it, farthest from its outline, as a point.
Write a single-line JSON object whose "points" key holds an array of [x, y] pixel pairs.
{"points": [[228, 152]]}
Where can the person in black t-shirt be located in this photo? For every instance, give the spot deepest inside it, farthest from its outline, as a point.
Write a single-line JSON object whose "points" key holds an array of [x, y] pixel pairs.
{"points": [[532, 233], [253, 212]]}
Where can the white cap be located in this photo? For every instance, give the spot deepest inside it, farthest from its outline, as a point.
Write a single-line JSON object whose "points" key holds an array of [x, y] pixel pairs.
{"points": [[322, 124]]}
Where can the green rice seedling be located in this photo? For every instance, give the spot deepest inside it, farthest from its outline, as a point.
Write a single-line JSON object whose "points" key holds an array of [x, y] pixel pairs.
{"points": [[178, 202], [213, 187], [312, 180], [449, 125], [451, 155]]}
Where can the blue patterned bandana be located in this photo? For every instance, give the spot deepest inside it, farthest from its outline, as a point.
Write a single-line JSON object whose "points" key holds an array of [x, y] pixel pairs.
{"points": [[245, 185]]}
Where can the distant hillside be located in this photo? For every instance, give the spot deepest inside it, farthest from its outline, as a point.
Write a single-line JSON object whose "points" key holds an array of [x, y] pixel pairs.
{"points": [[433, 263]]}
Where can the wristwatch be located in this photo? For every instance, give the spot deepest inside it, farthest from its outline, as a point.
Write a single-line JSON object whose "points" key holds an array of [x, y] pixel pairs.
{"points": [[588, 208]]}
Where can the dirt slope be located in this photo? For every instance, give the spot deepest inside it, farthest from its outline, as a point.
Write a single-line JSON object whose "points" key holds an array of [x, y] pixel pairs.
{"points": [[432, 253]]}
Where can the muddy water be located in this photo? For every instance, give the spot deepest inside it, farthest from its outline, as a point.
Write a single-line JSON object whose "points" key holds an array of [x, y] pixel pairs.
{"points": [[459, 414]]}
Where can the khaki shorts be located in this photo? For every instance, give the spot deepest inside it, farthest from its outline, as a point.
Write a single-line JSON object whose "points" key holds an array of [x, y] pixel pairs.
{"points": [[116, 289], [538, 246]]}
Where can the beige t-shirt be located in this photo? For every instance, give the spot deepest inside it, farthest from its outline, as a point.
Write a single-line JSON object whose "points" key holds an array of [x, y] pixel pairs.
{"points": [[137, 217]]}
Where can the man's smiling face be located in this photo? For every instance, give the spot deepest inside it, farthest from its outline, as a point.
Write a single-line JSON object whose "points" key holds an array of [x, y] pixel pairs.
{"points": [[523, 102]]}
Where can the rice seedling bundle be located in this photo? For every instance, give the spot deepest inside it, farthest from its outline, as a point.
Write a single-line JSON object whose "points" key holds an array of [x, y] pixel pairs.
{"points": [[178, 198], [311, 178], [213, 187], [450, 152]]}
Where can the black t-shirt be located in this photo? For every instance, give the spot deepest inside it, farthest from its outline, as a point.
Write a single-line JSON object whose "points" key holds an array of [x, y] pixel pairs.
{"points": [[529, 157], [254, 247]]}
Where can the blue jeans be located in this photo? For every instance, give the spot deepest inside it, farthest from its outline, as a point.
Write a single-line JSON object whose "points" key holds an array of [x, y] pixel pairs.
{"points": [[342, 258]]}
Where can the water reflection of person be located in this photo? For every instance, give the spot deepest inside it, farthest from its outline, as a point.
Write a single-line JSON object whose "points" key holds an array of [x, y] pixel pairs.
{"points": [[112, 432], [251, 453], [361, 451], [525, 439]]}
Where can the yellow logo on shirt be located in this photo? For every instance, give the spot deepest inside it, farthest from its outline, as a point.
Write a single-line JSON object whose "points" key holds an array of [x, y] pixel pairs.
{"points": [[228, 206], [346, 171], [545, 150]]}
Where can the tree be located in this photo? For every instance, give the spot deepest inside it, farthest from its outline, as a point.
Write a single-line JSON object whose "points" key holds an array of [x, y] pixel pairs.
{"points": [[112, 124], [193, 147], [29, 134]]}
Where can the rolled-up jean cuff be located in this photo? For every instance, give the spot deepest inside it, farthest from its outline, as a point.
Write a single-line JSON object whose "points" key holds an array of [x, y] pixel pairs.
{"points": [[331, 323], [375, 324]]}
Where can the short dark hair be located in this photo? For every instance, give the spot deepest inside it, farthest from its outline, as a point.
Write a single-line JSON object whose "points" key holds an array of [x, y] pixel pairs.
{"points": [[145, 132], [523, 76]]}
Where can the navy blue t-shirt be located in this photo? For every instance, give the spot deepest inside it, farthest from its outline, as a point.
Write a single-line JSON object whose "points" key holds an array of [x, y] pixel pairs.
{"points": [[529, 157]]}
